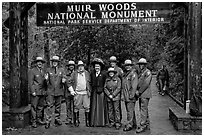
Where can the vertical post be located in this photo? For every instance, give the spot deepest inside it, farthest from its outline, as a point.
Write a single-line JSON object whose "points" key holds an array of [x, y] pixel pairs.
{"points": [[24, 60], [195, 48], [186, 17], [14, 54], [18, 56]]}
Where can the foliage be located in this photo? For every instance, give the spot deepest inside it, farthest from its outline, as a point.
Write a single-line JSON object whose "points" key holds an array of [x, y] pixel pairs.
{"points": [[158, 43]]}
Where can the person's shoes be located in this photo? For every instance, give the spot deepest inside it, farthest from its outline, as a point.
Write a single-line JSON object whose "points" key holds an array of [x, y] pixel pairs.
{"points": [[140, 129], [117, 127], [127, 128], [111, 125], [47, 125], [58, 123], [68, 122], [34, 125], [40, 122]]}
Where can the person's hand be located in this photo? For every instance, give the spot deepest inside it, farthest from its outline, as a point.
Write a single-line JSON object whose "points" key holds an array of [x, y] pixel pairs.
{"points": [[137, 93], [111, 96], [63, 80], [46, 76], [73, 93], [34, 94]]}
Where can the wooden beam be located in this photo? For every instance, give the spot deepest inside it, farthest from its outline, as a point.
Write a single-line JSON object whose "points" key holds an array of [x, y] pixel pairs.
{"points": [[25, 6], [18, 56]]}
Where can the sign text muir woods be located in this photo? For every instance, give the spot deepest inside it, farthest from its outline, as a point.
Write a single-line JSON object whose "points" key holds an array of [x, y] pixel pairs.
{"points": [[62, 14]]}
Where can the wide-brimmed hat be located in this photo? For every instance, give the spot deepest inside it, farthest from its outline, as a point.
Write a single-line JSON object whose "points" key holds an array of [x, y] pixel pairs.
{"points": [[55, 58], [71, 62], [142, 61], [39, 59], [113, 59], [112, 70], [80, 63], [98, 61], [128, 62]]}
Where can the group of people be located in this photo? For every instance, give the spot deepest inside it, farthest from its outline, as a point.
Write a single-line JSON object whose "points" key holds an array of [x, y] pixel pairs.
{"points": [[98, 91]]}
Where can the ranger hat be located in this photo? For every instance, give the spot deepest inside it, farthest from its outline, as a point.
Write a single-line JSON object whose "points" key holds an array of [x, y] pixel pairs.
{"points": [[71, 62], [80, 63], [113, 59], [128, 62], [55, 58], [112, 70], [39, 59], [142, 61]]}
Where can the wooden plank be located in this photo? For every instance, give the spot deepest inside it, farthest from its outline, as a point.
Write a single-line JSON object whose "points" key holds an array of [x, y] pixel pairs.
{"points": [[25, 6]]}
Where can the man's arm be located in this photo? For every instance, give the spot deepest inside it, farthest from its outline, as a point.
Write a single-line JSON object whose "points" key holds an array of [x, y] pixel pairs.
{"points": [[134, 84], [146, 83], [118, 89]]}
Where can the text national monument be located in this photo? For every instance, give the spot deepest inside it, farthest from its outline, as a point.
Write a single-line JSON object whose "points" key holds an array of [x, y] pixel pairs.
{"points": [[62, 14]]}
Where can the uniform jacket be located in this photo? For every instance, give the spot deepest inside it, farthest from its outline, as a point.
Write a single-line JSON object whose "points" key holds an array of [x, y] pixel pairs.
{"points": [[55, 85], [119, 72], [37, 82], [68, 74], [144, 84], [97, 83], [73, 81], [129, 86], [113, 87]]}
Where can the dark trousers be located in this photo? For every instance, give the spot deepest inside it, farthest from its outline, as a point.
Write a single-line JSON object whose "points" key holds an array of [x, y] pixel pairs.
{"points": [[161, 85], [69, 107], [114, 112], [131, 119], [53, 101], [144, 102], [37, 107]]}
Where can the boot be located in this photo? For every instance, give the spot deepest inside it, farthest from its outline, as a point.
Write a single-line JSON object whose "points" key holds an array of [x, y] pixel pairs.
{"points": [[58, 122], [87, 119], [34, 125], [47, 125], [76, 119], [40, 122]]}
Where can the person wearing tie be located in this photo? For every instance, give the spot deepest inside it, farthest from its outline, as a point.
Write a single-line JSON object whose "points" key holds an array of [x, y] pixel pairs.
{"points": [[79, 87], [38, 85], [56, 81], [98, 109]]}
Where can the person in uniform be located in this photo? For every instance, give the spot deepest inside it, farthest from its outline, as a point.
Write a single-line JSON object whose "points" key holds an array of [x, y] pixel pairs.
{"points": [[113, 91], [113, 64], [56, 80], [144, 92], [38, 87], [163, 79], [98, 108], [79, 87], [69, 99], [129, 87]]}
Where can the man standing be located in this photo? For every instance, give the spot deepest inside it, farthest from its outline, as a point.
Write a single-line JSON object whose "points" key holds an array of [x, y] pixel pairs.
{"points": [[163, 79], [129, 87], [38, 87], [56, 80], [69, 99], [145, 94], [113, 64], [79, 86]]}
